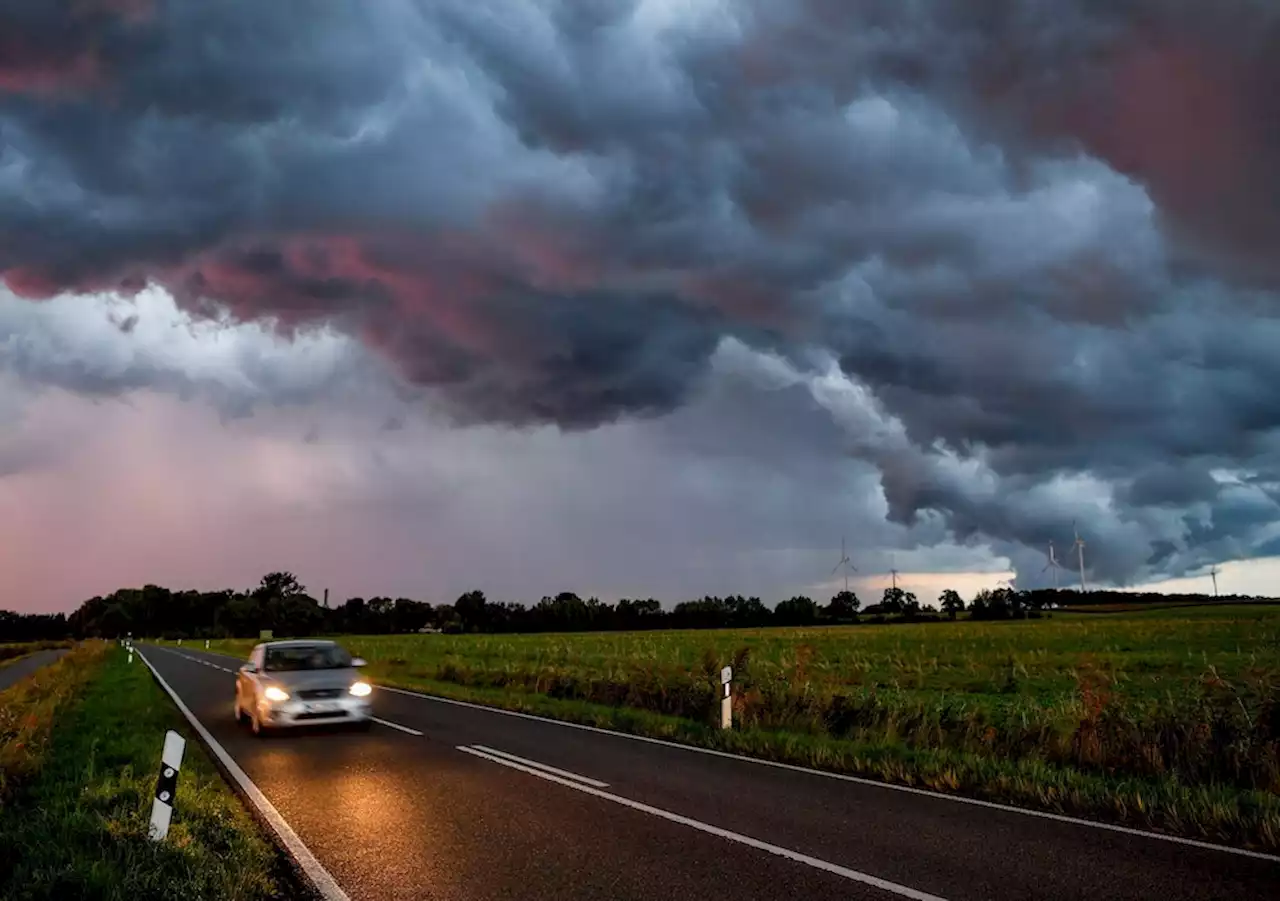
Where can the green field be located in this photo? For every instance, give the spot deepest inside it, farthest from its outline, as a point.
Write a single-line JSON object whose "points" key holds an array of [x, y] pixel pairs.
{"points": [[1164, 718]]}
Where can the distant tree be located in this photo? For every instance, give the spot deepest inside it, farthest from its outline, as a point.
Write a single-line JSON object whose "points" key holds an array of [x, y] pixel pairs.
{"points": [[293, 614], [241, 615], [894, 601], [471, 610], [567, 612], [349, 616], [33, 626], [705, 613], [843, 607], [279, 585], [951, 603], [378, 612], [746, 612], [408, 615], [1002, 603], [637, 614], [1011, 600], [796, 611]]}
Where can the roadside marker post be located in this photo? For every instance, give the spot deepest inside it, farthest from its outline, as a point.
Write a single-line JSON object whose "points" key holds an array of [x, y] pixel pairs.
{"points": [[166, 785], [726, 702], [206, 644]]}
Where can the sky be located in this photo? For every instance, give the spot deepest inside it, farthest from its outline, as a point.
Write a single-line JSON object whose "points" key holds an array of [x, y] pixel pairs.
{"points": [[637, 297]]}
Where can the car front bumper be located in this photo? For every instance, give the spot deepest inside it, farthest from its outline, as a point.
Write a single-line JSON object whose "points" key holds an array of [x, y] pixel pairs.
{"points": [[283, 714]]}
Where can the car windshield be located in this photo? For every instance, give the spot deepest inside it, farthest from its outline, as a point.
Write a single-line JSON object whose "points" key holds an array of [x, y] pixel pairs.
{"points": [[306, 657]]}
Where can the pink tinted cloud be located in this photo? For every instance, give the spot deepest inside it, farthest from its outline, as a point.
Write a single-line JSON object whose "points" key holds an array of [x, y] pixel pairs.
{"points": [[379, 286], [23, 72], [1178, 114], [68, 58], [1188, 114]]}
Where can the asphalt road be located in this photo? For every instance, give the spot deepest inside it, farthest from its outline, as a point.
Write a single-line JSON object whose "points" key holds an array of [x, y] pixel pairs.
{"points": [[27, 665], [396, 815]]}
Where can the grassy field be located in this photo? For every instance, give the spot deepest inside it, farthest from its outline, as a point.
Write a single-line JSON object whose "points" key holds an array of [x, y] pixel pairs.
{"points": [[79, 748], [12, 652], [1168, 719]]}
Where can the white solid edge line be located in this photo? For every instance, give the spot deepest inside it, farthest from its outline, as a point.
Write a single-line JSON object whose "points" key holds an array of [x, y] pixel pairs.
{"points": [[319, 876], [816, 863], [859, 780], [395, 726], [542, 766]]}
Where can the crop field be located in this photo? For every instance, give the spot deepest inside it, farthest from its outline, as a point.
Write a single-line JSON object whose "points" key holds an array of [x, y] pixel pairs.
{"points": [[1168, 717]]}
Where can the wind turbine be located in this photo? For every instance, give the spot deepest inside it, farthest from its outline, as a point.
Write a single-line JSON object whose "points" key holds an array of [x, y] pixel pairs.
{"points": [[1213, 574], [1054, 565], [1079, 545], [845, 562]]}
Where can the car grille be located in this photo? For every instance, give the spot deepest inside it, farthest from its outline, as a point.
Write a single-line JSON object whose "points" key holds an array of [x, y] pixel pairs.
{"points": [[317, 694], [328, 714]]}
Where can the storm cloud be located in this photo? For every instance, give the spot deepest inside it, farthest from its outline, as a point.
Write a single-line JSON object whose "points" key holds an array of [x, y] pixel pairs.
{"points": [[1022, 254]]}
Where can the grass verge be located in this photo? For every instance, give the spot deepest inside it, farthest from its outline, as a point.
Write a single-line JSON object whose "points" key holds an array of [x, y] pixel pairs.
{"points": [[88, 731]]}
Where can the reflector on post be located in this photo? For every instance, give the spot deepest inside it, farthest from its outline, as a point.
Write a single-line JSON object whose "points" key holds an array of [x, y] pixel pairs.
{"points": [[166, 785]]}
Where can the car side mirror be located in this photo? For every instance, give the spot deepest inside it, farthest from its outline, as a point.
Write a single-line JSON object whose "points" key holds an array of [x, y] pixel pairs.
{"points": [[248, 668], [357, 661]]}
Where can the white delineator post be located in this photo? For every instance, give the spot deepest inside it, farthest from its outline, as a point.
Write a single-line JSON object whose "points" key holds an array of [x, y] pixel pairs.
{"points": [[726, 702], [166, 785], [206, 644]]}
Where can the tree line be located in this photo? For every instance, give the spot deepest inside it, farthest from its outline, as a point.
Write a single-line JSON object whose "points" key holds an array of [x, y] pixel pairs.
{"points": [[281, 604]]}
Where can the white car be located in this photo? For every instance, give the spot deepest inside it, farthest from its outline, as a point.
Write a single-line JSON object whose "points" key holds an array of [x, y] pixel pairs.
{"points": [[304, 682]]}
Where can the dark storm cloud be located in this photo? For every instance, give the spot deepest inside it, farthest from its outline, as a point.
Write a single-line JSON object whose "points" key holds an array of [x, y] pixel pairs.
{"points": [[1175, 93], [1042, 233], [50, 45], [1172, 487]]}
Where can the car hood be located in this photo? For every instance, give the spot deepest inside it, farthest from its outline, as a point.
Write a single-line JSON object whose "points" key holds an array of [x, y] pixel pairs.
{"points": [[301, 680]]}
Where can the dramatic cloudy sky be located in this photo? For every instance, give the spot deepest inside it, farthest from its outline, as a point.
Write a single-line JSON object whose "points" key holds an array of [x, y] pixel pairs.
{"points": [[636, 297]]}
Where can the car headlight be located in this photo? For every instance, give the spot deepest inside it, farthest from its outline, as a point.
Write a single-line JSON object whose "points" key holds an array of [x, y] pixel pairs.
{"points": [[360, 689], [275, 694]]}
